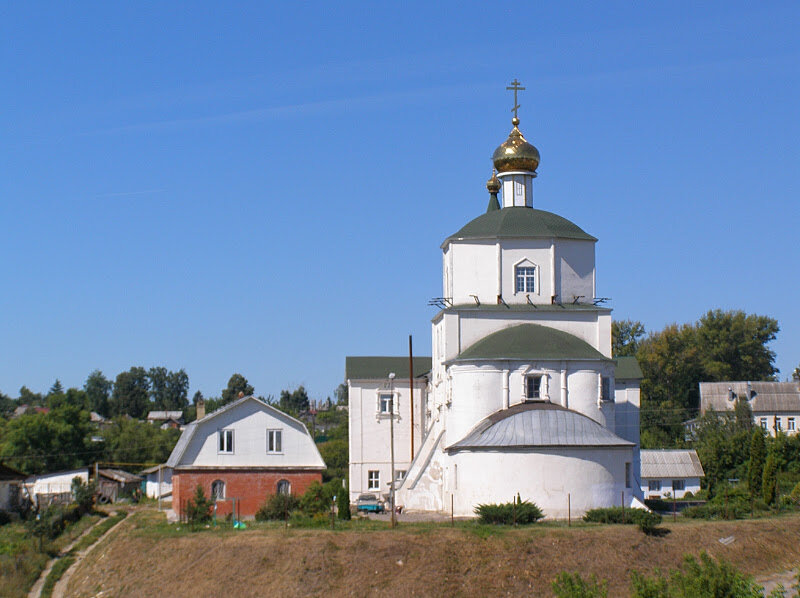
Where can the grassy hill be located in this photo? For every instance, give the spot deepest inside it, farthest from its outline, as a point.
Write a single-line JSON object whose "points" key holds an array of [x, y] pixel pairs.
{"points": [[149, 556]]}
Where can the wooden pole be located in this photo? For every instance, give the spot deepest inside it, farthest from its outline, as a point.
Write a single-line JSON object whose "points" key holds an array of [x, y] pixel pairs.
{"points": [[391, 443], [569, 510], [411, 390], [674, 507], [622, 495], [160, 477], [452, 512]]}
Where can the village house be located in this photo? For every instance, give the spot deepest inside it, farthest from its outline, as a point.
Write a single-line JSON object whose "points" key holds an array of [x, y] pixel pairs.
{"points": [[158, 481], [240, 455], [10, 487], [775, 405], [670, 473]]}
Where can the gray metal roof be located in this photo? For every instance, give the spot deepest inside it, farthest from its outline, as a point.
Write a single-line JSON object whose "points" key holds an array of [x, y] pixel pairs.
{"points": [[379, 368], [159, 415], [671, 464], [627, 369], [765, 397], [538, 425]]}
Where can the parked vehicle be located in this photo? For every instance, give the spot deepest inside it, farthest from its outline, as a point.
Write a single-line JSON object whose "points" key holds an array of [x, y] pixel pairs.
{"points": [[369, 503]]}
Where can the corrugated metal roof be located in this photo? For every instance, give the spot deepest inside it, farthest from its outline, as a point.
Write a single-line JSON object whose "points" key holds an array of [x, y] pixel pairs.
{"points": [[627, 368], [765, 397], [119, 475], [538, 425], [671, 464], [379, 368], [165, 415]]}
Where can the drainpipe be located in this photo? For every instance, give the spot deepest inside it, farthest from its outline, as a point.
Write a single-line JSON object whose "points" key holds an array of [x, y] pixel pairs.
{"points": [[564, 385], [505, 389]]}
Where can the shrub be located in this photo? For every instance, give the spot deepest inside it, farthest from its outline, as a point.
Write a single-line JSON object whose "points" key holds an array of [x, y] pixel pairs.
{"points": [[519, 511], [277, 507], [704, 579], [198, 508], [646, 520], [317, 499], [572, 585], [84, 494], [343, 503], [769, 482]]}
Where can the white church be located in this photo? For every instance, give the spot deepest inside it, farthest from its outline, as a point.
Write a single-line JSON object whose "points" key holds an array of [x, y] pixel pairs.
{"points": [[521, 395]]}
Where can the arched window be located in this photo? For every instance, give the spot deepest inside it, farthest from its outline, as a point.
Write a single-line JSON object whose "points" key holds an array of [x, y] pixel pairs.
{"points": [[218, 490], [284, 487]]}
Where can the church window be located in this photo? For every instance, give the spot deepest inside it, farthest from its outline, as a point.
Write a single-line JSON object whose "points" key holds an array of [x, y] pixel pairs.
{"points": [[605, 388], [386, 403], [226, 441], [525, 277], [218, 490], [654, 485], [533, 387], [284, 487], [274, 441], [628, 474], [373, 480]]}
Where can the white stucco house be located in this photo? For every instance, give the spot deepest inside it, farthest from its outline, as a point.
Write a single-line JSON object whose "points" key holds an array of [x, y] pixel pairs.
{"points": [[157, 481], [46, 488], [240, 455], [670, 473], [523, 395], [775, 405]]}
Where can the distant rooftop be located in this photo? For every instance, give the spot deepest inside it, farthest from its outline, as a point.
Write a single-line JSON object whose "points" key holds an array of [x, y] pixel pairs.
{"points": [[379, 368], [763, 397], [671, 464]]}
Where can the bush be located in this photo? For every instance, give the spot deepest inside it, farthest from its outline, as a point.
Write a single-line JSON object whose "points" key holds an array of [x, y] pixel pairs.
{"points": [[317, 499], [84, 494], [705, 579], [646, 520], [199, 508], [572, 585], [277, 507], [343, 503], [518, 511]]}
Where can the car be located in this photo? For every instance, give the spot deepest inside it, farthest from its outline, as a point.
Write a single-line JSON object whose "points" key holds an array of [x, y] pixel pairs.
{"points": [[369, 503]]}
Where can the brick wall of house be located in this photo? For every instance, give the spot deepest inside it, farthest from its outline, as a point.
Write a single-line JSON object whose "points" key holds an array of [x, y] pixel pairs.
{"points": [[249, 486]]}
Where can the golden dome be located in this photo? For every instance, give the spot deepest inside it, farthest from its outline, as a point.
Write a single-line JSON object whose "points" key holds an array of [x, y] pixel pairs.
{"points": [[515, 153], [493, 184]]}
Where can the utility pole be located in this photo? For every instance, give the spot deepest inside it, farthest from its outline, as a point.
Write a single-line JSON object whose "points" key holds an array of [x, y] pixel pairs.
{"points": [[411, 390], [391, 445]]}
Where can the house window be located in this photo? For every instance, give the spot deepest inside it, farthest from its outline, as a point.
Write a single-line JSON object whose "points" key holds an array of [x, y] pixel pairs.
{"points": [[778, 423], [218, 490], [525, 277], [628, 474], [790, 424], [226, 441], [533, 387], [373, 480], [274, 441], [654, 485], [400, 475], [678, 485], [763, 423], [385, 402], [605, 388], [284, 487]]}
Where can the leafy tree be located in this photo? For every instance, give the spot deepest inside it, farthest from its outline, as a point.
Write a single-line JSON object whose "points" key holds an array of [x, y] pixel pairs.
{"points": [[769, 481], [237, 384], [131, 393], [336, 457], [7, 404], [723, 447], [625, 337], [98, 390], [295, 402], [131, 441], [168, 390], [57, 388], [341, 394], [755, 470], [28, 397], [317, 499], [796, 374]]}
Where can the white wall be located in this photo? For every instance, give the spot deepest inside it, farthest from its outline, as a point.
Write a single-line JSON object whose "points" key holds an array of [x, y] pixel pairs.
{"points": [[57, 483], [773, 418], [151, 483], [250, 421], [691, 485]]}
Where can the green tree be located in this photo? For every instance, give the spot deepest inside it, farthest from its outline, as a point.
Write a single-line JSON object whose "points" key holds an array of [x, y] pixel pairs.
{"points": [[131, 394], [769, 481], [168, 390], [572, 585], [237, 384], [98, 390], [131, 441], [198, 508], [28, 397], [343, 503], [295, 402], [723, 447], [57, 388], [341, 394], [7, 404], [755, 470], [335, 454], [625, 337]]}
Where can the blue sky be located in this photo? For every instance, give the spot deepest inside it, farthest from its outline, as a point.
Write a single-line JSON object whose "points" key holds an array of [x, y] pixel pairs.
{"points": [[263, 187]]}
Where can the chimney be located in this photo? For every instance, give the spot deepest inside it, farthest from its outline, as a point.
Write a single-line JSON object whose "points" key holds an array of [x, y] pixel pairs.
{"points": [[201, 409]]}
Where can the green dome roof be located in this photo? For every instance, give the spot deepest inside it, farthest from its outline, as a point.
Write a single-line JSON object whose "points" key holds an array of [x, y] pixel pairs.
{"points": [[529, 342], [520, 222]]}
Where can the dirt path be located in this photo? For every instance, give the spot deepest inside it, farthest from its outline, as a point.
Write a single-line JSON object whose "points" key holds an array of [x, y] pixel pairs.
{"points": [[59, 591], [787, 579], [36, 590]]}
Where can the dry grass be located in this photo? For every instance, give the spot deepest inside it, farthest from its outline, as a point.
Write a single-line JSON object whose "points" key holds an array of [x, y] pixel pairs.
{"points": [[411, 561]]}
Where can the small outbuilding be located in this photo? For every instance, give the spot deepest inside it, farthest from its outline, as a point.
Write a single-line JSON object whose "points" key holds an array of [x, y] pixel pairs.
{"points": [[10, 487], [113, 484], [46, 489], [670, 473], [157, 481]]}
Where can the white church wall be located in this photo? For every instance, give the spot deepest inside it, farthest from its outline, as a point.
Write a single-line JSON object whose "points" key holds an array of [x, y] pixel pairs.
{"points": [[535, 253], [470, 381], [369, 433], [474, 267], [576, 270], [583, 391], [591, 477]]}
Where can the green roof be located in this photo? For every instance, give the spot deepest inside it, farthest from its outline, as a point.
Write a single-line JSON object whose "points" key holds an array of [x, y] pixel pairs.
{"points": [[520, 222], [528, 342], [379, 368], [628, 369]]}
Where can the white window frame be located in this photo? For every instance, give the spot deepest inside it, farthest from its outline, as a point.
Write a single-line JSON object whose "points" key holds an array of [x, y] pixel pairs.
{"points": [[374, 480], [215, 493], [790, 425], [531, 278], [537, 392], [395, 398], [225, 441], [283, 484], [678, 486], [778, 424], [399, 475], [275, 441], [763, 422]]}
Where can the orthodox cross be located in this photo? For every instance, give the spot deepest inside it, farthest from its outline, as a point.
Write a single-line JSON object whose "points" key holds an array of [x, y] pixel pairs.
{"points": [[515, 85]]}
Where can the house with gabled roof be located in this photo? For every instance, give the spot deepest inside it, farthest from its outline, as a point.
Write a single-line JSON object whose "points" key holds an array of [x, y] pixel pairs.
{"points": [[775, 405], [240, 455], [670, 472]]}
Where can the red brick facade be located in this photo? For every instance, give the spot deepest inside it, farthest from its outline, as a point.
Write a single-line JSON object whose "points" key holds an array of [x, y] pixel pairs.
{"points": [[250, 487]]}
